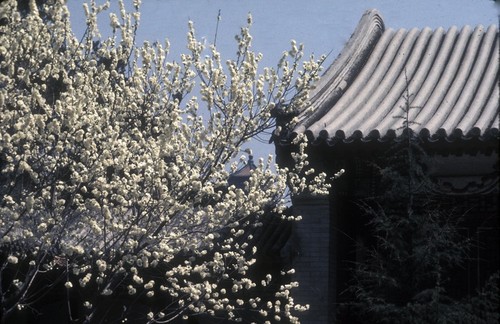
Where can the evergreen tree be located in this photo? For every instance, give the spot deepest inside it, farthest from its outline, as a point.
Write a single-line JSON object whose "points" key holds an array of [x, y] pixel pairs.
{"points": [[416, 246]]}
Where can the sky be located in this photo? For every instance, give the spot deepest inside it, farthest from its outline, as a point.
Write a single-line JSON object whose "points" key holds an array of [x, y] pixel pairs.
{"points": [[323, 26]]}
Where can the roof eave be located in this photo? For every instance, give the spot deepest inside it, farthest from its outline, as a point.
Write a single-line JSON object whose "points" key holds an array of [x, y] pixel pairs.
{"points": [[344, 69]]}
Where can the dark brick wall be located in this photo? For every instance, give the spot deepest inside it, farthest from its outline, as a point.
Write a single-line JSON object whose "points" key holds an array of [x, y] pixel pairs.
{"points": [[312, 269]]}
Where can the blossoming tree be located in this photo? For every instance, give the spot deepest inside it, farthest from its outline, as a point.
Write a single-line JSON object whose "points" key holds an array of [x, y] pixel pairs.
{"points": [[114, 163]]}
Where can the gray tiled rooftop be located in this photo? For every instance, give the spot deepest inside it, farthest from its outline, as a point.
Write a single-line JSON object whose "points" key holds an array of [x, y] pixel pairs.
{"points": [[452, 76]]}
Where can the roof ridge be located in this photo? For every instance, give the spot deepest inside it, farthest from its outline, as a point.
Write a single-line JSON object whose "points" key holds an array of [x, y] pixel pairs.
{"points": [[345, 67]]}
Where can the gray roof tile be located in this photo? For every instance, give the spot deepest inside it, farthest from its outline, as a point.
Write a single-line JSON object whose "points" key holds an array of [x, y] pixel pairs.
{"points": [[451, 76]]}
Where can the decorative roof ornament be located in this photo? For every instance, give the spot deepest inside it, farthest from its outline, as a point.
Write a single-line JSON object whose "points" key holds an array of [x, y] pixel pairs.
{"points": [[239, 177]]}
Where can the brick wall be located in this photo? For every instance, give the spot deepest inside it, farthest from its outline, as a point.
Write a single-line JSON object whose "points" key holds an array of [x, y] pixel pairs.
{"points": [[312, 264]]}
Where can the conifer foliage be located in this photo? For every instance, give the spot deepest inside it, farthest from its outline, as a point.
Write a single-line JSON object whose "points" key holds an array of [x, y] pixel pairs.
{"points": [[416, 247], [114, 160]]}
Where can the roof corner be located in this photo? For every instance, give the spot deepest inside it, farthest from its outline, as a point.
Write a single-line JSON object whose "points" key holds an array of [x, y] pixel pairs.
{"points": [[341, 73]]}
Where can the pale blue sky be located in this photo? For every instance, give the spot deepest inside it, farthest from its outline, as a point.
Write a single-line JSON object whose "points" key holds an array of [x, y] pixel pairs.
{"points": [[321, 25]]}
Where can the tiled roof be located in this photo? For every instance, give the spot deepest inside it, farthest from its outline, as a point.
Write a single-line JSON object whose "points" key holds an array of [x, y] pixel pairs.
{"points": [[451, 76], [239, 177]]}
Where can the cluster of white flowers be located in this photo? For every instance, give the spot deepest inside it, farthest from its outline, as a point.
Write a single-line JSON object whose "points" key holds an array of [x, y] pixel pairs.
{"points": [[112, 162]]}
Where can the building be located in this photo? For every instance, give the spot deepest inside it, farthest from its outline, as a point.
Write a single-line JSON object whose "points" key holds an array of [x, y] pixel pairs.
{"points": [[451, 78], [241, 175]]}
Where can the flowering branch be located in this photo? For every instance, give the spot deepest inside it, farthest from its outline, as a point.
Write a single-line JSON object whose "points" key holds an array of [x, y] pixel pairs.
{"points": [[114, 161]]}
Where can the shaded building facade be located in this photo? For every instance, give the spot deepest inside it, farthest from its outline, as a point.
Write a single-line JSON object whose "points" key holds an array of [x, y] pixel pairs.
{"points": [[449, 79]]}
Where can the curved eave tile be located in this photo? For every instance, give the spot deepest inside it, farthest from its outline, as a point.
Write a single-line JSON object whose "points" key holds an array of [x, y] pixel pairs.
{"points": [[344, 69]]}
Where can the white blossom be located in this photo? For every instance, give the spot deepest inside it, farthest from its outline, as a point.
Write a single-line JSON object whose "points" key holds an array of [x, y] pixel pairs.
{"points": [[12, 259], [116, 158]]}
